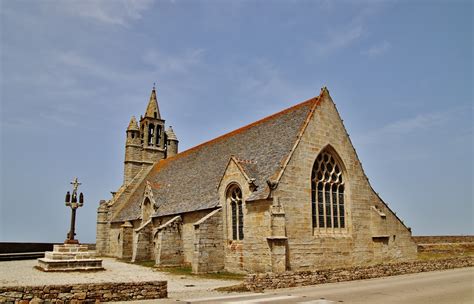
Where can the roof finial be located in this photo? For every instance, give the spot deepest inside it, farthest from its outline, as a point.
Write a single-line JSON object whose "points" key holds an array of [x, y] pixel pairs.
{"points": [[154, 86]]}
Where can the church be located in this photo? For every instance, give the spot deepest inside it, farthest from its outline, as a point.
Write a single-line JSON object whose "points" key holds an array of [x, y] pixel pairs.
{"points": [[286, 192]]}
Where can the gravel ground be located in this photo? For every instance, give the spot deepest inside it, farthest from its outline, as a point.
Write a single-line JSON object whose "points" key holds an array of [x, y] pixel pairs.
{"points": [[22, 273]]}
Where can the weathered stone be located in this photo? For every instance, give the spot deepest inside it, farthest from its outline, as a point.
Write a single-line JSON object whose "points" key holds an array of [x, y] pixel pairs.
{"points": [[303, 278], [84, 293], [274, 164]]}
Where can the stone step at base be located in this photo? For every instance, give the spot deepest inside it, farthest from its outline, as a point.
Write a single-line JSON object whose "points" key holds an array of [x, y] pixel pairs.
{"points": [[45, 264]]}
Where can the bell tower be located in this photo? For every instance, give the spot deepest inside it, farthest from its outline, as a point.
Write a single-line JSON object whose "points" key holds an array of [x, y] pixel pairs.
{"points": [[152, 132], [147, 142]]}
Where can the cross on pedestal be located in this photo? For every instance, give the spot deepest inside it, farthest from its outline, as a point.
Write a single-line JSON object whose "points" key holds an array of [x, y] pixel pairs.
{"points": [[71, 201]]}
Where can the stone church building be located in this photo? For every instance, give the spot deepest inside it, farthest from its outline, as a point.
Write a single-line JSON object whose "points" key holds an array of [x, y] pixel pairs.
{"points": [[287, 192]]}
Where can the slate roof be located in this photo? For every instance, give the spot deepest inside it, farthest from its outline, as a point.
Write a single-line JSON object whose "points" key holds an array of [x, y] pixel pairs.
{"points": [[189, 180]]}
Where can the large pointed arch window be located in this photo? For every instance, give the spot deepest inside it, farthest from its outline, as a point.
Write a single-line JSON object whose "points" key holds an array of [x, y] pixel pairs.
{"points": [[327, 193], [234, 198]]}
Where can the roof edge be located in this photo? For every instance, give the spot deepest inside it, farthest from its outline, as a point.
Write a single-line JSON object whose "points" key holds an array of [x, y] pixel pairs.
{"points": [[318, 100], [241, 129]]}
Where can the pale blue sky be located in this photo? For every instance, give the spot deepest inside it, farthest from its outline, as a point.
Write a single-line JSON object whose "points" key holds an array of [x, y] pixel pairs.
{"points": [[73, 73]]}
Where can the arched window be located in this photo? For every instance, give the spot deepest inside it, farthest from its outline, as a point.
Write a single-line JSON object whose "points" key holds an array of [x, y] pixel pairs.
{"points": [[234, 198], [327, 193]]}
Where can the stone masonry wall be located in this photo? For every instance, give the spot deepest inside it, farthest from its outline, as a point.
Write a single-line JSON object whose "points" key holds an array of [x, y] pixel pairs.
{"points": [[187, 233], [103, 226], [85, 293], [303, 278], [252, 254], [169, 243], [360, 242], [208, 244], [142, 244]]}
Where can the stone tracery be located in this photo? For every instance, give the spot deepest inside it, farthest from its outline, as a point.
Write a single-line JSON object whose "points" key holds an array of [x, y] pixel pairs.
{"points": [[327, 192]]}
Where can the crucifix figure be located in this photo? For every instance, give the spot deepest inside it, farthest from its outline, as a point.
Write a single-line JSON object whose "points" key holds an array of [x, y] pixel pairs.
{"points": [[71, 201]]}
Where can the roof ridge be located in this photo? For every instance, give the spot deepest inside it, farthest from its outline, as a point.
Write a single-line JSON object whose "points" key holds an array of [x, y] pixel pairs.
{"points": [[288, 121], [241, 129]]}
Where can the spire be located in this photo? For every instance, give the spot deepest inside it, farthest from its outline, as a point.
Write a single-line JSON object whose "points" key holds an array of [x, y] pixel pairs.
{"points": [[133, 125], [152, 109]]}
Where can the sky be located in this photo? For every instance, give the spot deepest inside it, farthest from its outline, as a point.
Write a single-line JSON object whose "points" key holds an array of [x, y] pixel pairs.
{"points": [[72, 74]]}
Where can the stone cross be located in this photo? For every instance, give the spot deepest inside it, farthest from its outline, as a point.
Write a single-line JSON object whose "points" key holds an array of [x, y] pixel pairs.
{"points": [[71, 201]]}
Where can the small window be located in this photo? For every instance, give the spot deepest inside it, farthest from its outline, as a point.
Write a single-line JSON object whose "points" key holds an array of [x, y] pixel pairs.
{"points": [[234, 198]]}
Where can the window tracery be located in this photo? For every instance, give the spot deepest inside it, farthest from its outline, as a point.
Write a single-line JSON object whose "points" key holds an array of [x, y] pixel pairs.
{"points": [[234, 197], [327, 193]]}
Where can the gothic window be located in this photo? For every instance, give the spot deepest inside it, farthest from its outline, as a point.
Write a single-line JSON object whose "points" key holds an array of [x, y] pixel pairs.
{"points": [[327, 193], [234, 197]]}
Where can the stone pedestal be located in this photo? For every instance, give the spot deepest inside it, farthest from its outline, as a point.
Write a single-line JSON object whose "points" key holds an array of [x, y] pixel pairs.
{"points": [[70, 257]]}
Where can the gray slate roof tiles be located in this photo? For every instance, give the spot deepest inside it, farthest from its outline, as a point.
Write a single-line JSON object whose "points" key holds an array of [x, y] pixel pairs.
{"points": [[188, 181]]}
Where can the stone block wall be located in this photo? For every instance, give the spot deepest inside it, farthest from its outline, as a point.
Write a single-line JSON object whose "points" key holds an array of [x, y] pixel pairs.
{"points": [[208, 244], [360, 241], [125, 246], [303, 278], [103, 226], [257, 254], [133, 158], [252, 254], [85, 293], [169, 243], [142, 244], [187, 233]]}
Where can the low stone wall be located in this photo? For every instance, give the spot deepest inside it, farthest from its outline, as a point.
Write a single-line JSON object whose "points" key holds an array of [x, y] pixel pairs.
{"points": [[292, 279], [17, 247], [431, 239], [84, 293]]}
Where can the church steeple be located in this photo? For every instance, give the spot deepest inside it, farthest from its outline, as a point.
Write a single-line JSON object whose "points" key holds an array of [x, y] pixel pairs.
{"points": [[147, 141], [152, 110], [152, 131]]}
